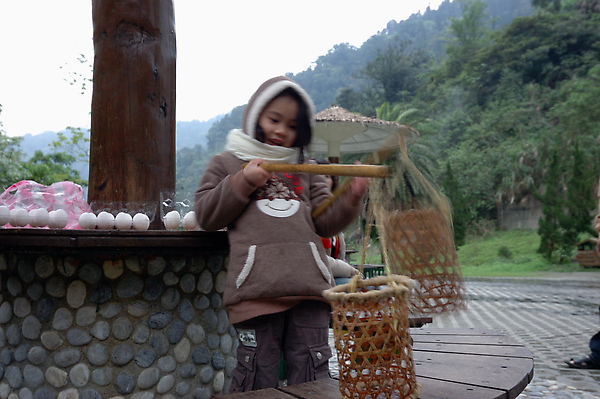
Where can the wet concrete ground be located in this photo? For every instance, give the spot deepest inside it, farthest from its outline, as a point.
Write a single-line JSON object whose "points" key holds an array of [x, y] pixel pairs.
{"points": [[553, 316]]}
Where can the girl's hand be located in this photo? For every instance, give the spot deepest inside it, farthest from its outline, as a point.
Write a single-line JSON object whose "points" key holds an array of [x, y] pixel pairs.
{"points": [[256, 175], [359, 186]]}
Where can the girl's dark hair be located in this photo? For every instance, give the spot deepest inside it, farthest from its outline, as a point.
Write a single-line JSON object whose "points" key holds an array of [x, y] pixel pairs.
{"points": [[303, 127]]}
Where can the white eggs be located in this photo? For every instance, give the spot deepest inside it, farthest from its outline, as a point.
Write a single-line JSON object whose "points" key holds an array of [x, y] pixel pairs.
{"points": [[105, 221], [32, 218], [4, 215], [189, 221], [51, 220], [141, 222], [87, 221], [40, 217], [58, 219], [19, 217], [172, 220], [123, 221]]}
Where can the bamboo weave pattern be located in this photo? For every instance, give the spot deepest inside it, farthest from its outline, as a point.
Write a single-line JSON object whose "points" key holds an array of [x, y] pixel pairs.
{"points": [[372, 338], [420, 245]]}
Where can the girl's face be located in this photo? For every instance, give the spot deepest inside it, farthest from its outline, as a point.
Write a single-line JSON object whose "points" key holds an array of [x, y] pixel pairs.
{"points": [[278, 121]]}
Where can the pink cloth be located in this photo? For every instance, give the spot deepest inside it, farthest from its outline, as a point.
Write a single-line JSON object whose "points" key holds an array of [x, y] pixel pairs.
{"points": [[30, 195]]}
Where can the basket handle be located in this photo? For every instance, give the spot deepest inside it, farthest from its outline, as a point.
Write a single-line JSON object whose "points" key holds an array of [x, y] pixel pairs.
{"points": [[368, 227], [374, 208]]}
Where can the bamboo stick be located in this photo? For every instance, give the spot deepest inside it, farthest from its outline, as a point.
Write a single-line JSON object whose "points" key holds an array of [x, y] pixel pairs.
{"points": [[377, 156], [377, 171], [339, 190]]}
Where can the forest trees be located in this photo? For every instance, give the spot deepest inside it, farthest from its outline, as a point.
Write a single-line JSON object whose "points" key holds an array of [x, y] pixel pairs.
{"points": [[493, 107], [51, 168], [566, 204], [499, 104], [468, 34], [10, 155], [550, 224], [393, 76], [579, 203], [460, 210], [533, 88], [44, 169], [496, 105], [395, 72]]}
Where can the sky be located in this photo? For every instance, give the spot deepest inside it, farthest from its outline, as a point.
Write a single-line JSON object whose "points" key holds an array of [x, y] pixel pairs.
{"points": [[225, 50]]}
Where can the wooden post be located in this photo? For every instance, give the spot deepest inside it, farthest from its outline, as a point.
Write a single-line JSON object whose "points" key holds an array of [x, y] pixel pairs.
{"points": [[132, 143]]}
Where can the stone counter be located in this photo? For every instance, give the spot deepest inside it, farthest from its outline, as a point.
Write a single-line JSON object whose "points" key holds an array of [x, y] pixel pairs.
{"points": [[101, 314]]}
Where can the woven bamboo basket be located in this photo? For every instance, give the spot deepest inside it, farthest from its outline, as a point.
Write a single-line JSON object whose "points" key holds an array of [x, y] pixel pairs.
{"points": [[420, 244], [370, 317], [414, 229], [372, 339]]}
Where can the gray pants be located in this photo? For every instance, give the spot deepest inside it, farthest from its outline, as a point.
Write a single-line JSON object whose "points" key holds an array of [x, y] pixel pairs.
{"points": [[300, 333]]}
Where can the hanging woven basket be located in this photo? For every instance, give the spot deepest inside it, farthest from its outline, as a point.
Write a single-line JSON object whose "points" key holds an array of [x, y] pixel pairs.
{"points": [[372, 339], [370, 317], [420, 244], [415, 233]]}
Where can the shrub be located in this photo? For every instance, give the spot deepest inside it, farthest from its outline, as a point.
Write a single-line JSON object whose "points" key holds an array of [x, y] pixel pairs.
{"points": [[505, 252]]}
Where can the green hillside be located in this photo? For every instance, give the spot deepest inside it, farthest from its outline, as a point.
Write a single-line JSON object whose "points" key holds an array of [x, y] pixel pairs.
{"points": [[339, 71], [506, 99]]}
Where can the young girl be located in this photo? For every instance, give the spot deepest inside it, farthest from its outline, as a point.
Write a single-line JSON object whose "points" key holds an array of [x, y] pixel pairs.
{"points": [[277, 265]]}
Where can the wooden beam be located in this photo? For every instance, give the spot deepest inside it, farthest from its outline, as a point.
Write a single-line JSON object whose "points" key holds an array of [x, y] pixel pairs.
{"points": [[132, 143]]}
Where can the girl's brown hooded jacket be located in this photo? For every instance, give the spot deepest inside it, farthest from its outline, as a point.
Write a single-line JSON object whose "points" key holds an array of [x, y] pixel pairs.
{"points": [[276, 249]]}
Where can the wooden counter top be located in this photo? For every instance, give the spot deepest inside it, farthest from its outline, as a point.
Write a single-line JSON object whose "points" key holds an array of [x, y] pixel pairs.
{"points": [[35, 240]]}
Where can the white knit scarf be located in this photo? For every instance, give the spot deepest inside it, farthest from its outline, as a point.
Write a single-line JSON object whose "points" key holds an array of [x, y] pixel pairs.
{"points": [[246, 148]]}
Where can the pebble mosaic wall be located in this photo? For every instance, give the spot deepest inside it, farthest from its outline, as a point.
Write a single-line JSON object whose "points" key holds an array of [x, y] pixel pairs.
{"points": [[141, 326]]}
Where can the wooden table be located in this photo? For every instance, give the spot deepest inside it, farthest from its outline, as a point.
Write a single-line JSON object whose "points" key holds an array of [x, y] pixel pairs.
{"points": [[450, 364]]}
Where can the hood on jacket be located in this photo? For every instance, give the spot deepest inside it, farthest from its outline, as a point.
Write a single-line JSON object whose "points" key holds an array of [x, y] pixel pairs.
{"points": [[267, 92]]}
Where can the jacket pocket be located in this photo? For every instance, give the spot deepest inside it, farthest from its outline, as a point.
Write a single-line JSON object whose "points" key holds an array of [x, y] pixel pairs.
{"points": [[280, 269], [248, 265], [323, 268]]}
